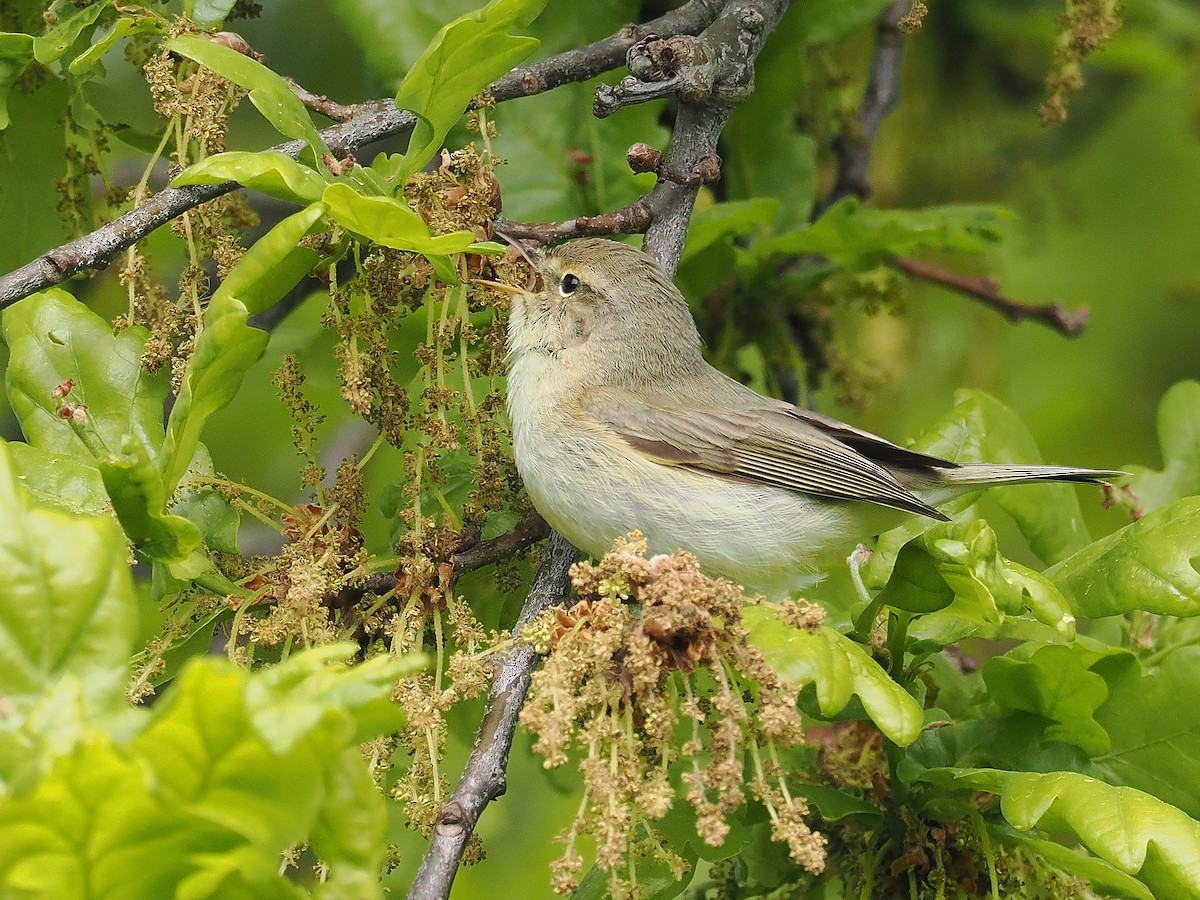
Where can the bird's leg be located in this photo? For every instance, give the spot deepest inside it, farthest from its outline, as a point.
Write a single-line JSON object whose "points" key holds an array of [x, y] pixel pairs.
{"points": [[856, 560]]}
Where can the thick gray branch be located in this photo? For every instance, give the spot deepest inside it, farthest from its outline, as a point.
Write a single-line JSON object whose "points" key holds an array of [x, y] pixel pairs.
{"points": [[718, 74]]}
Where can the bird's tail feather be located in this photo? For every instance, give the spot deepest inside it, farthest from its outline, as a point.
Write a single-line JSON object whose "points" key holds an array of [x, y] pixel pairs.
{"points": [[986, 473]]}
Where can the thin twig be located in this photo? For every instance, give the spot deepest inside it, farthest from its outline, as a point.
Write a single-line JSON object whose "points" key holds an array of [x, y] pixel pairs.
{"points": [[987, 290], [881, 95], [484, 779], [330, 109], [632, 219], [527, 532]]}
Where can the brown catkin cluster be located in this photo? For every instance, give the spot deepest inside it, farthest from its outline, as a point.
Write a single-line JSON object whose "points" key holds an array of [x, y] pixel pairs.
{"points": [[655, 650]]}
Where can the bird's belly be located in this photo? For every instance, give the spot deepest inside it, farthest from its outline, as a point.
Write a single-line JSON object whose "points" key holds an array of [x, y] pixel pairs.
{"points": [[593, 489]]}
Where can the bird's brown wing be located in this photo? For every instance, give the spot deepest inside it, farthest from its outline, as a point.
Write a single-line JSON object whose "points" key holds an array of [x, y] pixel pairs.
{"points": [[767, 442]]}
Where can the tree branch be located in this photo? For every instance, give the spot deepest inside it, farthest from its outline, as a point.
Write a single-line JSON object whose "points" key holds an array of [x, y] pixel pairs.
{"points": [[102, 246], [632, 219], [716, 73], [879, 98], [987, 290], [709, 86], [595, 59], [483, 779], [339, 112], [371, 122]]}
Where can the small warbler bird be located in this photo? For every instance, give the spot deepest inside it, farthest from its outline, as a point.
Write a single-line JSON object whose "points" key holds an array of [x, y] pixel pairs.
{"points": [[619, 424]]}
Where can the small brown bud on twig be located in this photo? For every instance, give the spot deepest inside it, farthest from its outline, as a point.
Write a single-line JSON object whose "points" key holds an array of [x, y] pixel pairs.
{"points": [[707, 169], [235, 42], [644, 158]]}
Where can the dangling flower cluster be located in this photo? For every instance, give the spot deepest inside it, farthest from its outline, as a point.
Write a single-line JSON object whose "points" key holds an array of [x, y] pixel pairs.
{"points": [[655, 647]]}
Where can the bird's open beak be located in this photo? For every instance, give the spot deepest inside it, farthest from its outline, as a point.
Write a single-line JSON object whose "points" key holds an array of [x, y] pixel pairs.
{"points": [[498, 285]]}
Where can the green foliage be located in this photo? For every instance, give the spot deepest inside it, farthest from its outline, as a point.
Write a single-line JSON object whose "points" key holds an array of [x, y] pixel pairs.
{"points": [[465, 56], [1132, 831], [1179, 437], [1080, 726], [213, 785], [840, 669], [269, 93], [228, 346], [273, 173], [197, 797]]}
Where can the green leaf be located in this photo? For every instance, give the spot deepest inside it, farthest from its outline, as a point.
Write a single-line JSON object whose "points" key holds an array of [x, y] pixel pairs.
{"points": [[210, 13], [1053, 683], [723, 221], [390, 223], [986, 587], [54, 338], [271, 172], [979, 428], [1151, 564], [464, 57], [135, 486], [1106, 878], [58, 38], [1016, 742], [861, 237], [1155, 732], [67, 608], [916, 584], [69, 483], [1179, 437], [1132, 831], [204, 799], [227, 346], [839, 668], [834, 804], [16, 52], [121, 28], [269, 93]]}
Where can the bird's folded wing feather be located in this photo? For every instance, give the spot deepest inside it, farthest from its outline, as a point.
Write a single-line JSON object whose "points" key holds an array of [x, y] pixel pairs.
{"points": [[770, 444]]}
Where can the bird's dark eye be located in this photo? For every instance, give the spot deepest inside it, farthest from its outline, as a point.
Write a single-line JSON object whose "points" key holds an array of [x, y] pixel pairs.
{"points": [[568, 284]]}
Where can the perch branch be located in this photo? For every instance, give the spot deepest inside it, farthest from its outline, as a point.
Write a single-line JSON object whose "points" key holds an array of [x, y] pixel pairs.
{"points": [[483, 779], [725, 72], [987, 291]]}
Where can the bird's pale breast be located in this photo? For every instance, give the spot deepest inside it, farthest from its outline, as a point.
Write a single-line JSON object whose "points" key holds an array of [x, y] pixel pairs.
{"points": [[592, 487]]}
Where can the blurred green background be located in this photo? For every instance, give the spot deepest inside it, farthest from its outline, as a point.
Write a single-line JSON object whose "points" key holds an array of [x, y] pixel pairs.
{"points": [[1107, 215]]}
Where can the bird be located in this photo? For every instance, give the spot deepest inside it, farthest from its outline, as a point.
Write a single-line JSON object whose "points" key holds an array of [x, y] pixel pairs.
{"points": [[620, 424]]}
